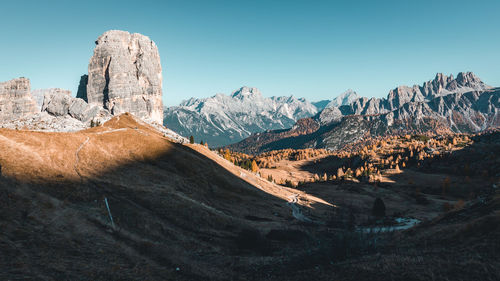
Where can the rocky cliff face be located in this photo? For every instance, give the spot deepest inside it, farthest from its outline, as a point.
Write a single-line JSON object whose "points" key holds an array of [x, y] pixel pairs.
{"points": [[441, 85], [125, 75], [16, 100]]}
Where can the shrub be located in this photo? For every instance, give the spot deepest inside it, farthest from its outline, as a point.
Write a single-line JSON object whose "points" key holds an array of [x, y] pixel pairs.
{"points": [[288, 183], [378, 209], [94, 123], [422, 138], [270, 178]]}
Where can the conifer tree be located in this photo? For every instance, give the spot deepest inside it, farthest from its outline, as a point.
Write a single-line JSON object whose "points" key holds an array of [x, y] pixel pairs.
{"points": [[254, 167], [378, 209], [191, 140], [227, 155], [340, 173]]}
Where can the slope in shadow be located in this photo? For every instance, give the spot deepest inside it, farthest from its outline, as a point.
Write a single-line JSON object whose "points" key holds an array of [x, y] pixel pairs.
{"points": [[173, 208]]}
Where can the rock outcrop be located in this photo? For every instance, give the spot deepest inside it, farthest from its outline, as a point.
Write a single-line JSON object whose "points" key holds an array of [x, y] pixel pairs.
{"points": [[39, 95], [440, 86], [82, 87], [58, 102], [16, 100], [125, 75]]}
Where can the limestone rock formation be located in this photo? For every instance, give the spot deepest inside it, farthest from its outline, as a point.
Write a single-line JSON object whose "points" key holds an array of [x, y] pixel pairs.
{"points": [[59, 102], [440, 106], [82, 87], [39, 94], [441, 86], [125, 75], [16, 100]]}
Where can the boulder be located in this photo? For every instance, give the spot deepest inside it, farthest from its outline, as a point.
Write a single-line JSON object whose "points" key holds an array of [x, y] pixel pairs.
{"points": [[39, 95], [60, 103], [125, 75], [57, 103], [85, 112]]}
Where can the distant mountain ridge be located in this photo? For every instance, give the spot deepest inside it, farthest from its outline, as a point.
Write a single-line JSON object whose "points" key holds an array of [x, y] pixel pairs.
{"points": [[222, 119], [444, 104], [441, 85]]}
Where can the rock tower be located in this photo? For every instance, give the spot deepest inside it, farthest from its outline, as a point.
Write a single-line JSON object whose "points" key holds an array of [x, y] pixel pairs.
{"points": [[125, 75], [16, 100]]}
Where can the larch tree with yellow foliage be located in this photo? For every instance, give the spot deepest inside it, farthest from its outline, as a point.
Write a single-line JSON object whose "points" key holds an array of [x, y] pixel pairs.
{"points": [[254, 167]]}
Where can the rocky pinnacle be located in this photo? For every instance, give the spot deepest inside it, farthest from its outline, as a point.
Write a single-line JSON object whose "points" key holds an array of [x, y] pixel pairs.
{"points": [[125, 75]]}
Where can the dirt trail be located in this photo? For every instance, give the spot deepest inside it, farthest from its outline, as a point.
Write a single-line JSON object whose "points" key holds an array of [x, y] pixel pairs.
{"points": [[296, 212], [77, 157]]}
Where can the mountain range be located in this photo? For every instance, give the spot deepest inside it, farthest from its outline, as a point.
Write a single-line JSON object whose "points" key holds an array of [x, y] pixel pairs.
{"points": [[464, 104], [221, 119]]}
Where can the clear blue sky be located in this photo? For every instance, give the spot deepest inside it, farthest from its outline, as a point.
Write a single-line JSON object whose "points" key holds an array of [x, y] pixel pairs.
{"points": [[311, 49]]}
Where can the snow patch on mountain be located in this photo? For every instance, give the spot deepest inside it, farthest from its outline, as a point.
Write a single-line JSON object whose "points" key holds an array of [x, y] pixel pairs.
{"points": [[224, 119]]}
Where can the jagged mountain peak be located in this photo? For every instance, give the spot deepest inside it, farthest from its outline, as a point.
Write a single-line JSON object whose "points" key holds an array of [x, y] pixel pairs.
{"points": [[343, 99], [188, 102], [224, 119], [468, 79], [246, 92], [442, 78], [441, 85]]}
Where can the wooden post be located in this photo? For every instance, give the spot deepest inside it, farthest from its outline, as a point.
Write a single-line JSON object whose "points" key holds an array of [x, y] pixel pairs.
{"points": [[109, 212]]}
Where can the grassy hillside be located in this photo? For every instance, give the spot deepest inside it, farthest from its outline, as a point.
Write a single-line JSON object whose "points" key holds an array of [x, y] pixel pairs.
{"points": [[182, 212]]}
